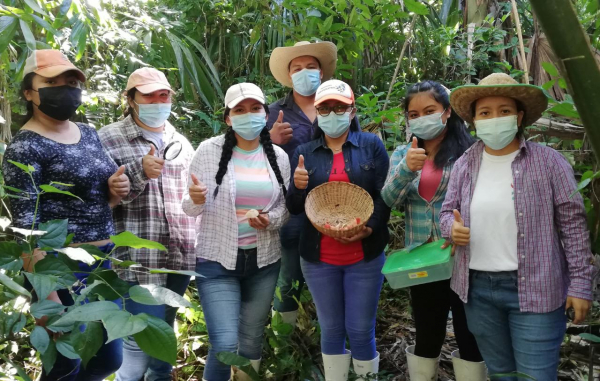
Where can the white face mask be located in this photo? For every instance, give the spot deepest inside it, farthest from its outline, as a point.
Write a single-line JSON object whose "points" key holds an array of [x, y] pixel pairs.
{"points": [[427, 127], [153, 115], [497, 133]]}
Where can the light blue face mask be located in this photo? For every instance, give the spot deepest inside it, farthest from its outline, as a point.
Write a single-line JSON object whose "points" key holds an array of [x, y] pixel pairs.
{"points": [[307, 81], [153, 115], [497, 133], [248, 125], [427, 127], [334, 125]]}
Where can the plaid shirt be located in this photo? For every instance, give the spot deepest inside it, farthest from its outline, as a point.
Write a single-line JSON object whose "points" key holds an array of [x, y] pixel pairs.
{"points": [[402, 189], [553, 243], [218, 234], [152, 210]]}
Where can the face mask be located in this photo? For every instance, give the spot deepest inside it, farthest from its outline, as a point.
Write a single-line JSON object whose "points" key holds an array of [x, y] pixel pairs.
{"points": [[497, 133], [59, 102], [154, 115], [427, 127], [334, 125], [307, 81], [248, 125]]}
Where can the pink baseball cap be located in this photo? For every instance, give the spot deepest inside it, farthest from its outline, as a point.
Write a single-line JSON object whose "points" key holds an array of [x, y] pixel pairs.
{"points": [[334, 89], [148, 80], [50, 63]]}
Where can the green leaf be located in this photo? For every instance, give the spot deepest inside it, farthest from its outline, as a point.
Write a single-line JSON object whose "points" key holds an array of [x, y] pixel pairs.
{"points": [[29, 38], [87, 342], [50, 265], [156, 295], [181, 272], [550, 68], [64, 346], [26, 168], [4, 279], [39, 339], [64, 7], [114, 286], [46, 308], [77, 254], [56, 233], [546, 86], [327, 24], [11, 250], [8, 28], [590, 337], [50, 189], [123, 323], [35, 6], [416, 7], [42, 284], [128, 239], [233, 359], [20, 371], [46, 25], [565, 109], [158, 339], [49, 357], [93, 311]]}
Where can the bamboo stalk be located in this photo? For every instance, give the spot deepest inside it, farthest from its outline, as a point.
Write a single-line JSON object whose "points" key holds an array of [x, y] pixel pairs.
{"points": [[517, 21], [406, 41], [578, 65]]}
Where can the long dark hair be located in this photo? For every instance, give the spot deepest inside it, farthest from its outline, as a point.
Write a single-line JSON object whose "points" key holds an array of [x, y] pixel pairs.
{"points": [[353, 127], [457, 138], [27, 84], [130, 95], [230, 143]]}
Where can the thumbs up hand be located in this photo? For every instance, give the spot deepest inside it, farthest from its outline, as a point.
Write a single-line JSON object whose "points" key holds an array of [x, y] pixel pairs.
{"points": [[152, 165], [281, 133], [415, 157], [198, 191], [459, 233], [118, 183], [301, 175]]}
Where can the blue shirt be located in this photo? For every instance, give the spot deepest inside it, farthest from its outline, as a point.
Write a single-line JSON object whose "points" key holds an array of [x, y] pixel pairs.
{"points": [[366, 165]]}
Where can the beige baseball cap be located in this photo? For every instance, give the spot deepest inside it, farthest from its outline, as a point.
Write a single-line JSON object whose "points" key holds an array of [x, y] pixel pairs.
{"points": [[237, 93], [50, 63], [148, 80], [334, 89]]}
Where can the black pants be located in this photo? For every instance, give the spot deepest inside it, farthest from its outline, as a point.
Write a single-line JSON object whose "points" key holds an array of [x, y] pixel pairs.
{"points": [[431, 303]]}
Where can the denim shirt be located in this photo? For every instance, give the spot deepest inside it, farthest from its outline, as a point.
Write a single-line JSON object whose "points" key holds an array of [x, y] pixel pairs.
{"points": [[366, 165]]}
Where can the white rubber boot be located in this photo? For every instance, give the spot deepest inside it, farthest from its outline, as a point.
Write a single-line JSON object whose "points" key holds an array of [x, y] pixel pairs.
{"points": [[243, 376], [421, 368], [362, 368], [337, 366], [468, 370]]}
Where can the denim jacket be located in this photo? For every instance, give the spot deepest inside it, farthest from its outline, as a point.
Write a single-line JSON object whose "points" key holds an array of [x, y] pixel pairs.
{"points": [[366, 165]]}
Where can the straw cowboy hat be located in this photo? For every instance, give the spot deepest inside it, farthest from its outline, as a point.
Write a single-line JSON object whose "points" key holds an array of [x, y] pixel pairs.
{"points": [[325, 52], [531, 97]]}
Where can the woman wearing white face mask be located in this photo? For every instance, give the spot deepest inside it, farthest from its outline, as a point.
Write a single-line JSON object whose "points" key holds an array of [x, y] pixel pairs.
{"points": [[152, 210], [234, 177], [417, 183], [519, 225], [343, 275]]}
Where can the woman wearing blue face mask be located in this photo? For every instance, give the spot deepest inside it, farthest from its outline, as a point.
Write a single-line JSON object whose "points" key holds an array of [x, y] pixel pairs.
{"points": [[152, 210], [417, 183], [519, 225], [237, 185], [343, 275]]}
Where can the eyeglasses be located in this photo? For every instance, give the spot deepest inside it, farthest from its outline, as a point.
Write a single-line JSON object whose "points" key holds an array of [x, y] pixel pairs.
{"points": [[339, 109]]}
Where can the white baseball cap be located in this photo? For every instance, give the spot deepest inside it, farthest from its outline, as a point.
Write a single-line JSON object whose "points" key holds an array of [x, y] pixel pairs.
{"points": [[334, 89], [237, 93]]}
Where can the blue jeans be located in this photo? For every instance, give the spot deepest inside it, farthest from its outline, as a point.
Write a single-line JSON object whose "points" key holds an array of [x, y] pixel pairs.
{"points": [[236, 305], [290, 272], [346, 298], [511, 340], [136, 363]]}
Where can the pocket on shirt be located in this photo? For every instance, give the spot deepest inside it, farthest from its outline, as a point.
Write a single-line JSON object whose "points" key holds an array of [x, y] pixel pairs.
{"points": [[368, 165]]}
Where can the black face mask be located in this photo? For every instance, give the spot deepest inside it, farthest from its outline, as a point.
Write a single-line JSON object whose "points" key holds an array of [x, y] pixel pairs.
{"points": [[59, 102]]}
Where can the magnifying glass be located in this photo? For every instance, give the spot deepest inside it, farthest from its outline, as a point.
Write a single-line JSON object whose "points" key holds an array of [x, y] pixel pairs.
{"points": [[172, 150]]}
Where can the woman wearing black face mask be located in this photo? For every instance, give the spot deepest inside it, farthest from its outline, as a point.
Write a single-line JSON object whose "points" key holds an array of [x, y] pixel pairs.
{"points": [[71, 153]]}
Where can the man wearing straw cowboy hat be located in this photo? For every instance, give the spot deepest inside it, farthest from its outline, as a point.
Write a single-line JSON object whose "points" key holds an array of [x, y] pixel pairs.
{"points": [[292, 121]]}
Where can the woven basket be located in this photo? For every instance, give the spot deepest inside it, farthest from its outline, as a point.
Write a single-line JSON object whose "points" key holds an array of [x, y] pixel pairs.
{"points": [[338, 205]]}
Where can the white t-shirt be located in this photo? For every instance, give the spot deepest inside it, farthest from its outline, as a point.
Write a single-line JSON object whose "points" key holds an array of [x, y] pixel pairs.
{"points": [[493, 222]]}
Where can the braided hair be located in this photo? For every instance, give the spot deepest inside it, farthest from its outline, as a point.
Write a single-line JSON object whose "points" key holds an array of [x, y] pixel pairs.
{"points": [[230, 143]]}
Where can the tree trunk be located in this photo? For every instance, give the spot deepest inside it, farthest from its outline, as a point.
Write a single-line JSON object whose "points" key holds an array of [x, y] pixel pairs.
{"points": [[577, 63]]}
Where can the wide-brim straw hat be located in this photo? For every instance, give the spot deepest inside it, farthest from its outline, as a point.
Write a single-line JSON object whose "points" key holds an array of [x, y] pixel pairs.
{"points": [[532, 98], [325, 52]]}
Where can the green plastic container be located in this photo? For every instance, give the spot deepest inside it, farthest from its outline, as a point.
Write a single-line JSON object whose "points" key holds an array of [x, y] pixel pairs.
{"points": [[424, 264]]}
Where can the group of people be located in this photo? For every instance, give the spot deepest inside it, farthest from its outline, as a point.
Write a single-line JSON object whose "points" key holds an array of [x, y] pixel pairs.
{"points": [[233, 211]]}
